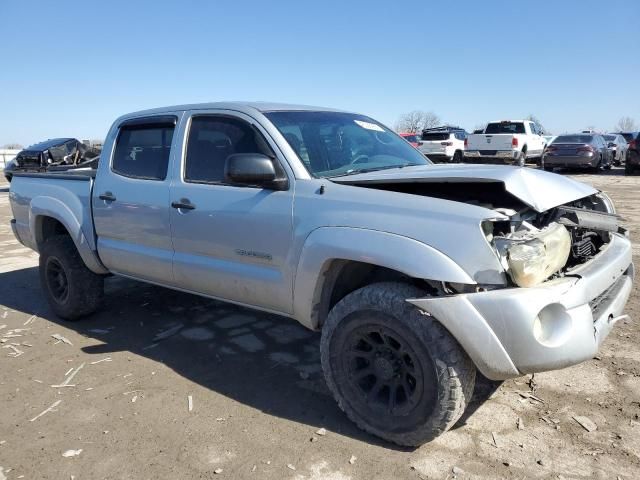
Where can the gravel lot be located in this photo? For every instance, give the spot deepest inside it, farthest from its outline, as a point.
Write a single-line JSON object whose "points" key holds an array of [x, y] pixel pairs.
{"points": [[120, 391]]}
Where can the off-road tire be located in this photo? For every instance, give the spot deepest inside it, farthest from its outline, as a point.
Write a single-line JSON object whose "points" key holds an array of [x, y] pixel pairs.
{"points": [[61, 263], [445, 375]]}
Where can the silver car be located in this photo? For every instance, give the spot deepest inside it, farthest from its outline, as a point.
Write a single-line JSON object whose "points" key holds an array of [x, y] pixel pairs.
{"points": [[618, 147]]}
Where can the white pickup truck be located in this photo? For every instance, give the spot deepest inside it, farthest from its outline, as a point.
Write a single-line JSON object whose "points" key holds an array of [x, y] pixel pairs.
{"points": [[512, 142]]}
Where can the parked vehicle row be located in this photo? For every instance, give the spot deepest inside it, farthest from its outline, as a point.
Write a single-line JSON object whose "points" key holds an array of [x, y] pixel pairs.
{"points": [[516, 142], [417, 275]]}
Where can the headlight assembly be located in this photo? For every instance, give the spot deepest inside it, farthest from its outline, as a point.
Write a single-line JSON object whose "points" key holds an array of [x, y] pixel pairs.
{"points": [[533, 256]]}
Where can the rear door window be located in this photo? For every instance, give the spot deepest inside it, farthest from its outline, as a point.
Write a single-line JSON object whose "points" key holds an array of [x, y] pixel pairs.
{"points": [[142, 151]]}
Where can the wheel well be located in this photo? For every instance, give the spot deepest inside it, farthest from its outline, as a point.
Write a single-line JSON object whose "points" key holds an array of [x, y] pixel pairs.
{"points": [[47, 227], [341, 277]]}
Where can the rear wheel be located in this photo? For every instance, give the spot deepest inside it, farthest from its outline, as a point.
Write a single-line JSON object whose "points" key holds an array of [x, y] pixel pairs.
{"points": [[396, 372], [457, 157], [72, 290], [522, 159]]}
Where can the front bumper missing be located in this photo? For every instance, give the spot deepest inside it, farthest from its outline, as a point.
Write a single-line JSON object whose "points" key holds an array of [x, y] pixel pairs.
{"points": [[562, 322]]}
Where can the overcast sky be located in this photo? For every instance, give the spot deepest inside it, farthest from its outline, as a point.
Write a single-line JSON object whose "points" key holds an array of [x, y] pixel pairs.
{"points": [[69, 68]]}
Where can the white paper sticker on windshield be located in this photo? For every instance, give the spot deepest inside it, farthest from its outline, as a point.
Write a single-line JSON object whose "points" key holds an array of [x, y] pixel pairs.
{"points": [[369, 126]]}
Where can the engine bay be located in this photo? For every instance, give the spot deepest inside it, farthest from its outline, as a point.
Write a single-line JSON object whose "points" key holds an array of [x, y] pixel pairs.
{"points": [[534, 247]]}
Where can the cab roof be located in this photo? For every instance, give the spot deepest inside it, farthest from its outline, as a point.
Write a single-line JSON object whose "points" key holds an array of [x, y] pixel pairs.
{"points": [[245, 107]]}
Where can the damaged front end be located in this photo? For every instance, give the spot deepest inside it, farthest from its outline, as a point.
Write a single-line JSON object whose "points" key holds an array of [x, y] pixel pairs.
{"points": [[570, 275], [534, 247]]}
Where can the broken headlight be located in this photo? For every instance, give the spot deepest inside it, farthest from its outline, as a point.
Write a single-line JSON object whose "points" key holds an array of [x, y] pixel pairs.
{"points": [[531, 255]]}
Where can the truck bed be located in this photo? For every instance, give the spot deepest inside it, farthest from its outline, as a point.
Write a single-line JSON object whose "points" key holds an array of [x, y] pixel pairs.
{"points": [[57, 194]]}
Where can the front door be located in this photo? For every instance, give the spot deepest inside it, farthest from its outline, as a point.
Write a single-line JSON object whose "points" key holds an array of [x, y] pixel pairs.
{"points": [[231, 242], [131, 201]]}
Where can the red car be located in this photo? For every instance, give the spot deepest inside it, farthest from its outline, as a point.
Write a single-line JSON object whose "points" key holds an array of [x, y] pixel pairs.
{"points": [[412, 138]]}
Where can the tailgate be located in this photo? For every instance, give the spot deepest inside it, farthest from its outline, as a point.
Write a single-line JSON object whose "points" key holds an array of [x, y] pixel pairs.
{"points": [[499, 141], [434, 143]]}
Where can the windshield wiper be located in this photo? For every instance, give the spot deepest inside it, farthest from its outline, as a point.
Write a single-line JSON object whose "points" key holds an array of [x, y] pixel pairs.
{"points": [[374, 169]]}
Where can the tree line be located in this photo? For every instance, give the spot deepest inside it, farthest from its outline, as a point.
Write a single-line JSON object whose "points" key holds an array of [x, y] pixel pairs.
{"points": [[417, 120]]}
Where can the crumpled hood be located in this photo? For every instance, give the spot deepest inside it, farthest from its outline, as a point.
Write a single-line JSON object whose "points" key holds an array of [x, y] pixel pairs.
{"points": [[538, 189]]}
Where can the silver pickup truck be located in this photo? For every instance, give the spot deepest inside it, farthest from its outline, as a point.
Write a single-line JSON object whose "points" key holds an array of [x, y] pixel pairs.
{"points": [[417, 275]]}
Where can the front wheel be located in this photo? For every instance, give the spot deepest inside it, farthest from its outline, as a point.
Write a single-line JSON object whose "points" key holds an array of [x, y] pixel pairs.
{"points": [[396, 372], [71, 289]]}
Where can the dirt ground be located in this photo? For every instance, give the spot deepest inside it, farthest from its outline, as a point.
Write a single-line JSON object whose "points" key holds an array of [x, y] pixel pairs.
{"points": [[112, 400]]}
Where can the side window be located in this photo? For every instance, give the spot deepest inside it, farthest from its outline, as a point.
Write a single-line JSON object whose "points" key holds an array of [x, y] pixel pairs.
{"points": [[211, 140], [143, 151]]}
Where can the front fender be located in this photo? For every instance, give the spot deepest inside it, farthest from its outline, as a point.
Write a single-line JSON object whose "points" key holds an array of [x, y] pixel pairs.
{"points": [[44, 206], [402, 254]]}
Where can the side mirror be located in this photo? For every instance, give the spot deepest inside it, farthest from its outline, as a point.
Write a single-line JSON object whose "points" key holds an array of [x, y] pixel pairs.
{"points": [[611, 144], [253, 169]]}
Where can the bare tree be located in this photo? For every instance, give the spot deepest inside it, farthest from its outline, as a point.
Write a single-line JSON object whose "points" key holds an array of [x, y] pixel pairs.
{"points": [[626, 124], [416, 121], [430, 120], [12, 146]]}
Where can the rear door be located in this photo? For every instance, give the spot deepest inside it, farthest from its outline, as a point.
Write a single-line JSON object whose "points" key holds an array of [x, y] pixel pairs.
{"points": [[231, 241], [131, 200]]}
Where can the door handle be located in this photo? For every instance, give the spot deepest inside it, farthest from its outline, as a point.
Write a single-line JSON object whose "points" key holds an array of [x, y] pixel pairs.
{"points": [[183, 204], [107, 197]]}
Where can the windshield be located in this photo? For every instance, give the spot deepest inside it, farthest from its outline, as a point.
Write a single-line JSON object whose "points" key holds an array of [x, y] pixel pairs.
{"points": [[505, 127], [573, 139], [609, 138], [335, 143]]}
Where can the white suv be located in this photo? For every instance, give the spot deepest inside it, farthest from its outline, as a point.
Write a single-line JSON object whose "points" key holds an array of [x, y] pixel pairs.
{"points": [[443, 144]]}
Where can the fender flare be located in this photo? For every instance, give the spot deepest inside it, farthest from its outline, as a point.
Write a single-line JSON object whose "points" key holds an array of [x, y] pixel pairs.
{"points": [[402, 254], [43, 206]]}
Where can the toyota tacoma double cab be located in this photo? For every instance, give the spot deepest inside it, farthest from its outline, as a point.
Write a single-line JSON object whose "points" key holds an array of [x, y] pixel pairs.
{"points": [[417, 275], [511, 142]]}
